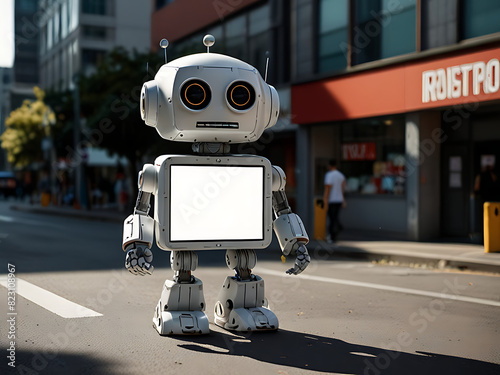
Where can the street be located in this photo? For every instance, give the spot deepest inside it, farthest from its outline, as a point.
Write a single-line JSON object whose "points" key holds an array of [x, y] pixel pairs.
{"points": [[340, 316]]}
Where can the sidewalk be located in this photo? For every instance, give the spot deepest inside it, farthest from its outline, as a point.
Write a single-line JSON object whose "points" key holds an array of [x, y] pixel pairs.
{"points": [[361, 245]]}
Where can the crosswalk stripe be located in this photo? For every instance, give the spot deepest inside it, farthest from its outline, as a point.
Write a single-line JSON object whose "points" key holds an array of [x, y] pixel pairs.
{"points": [[49, 301]]}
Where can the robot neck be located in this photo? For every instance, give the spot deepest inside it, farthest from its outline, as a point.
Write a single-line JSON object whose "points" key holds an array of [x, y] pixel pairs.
{"points": [[211, 148]]}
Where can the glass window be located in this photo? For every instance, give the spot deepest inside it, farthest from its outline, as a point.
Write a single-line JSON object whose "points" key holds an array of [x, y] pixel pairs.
{"points": [[373, 156], [69, 77], [57, 24], [383, 29], [259, 37], [439, 23], [64, 20], [95, 32], [161, 3], [49, 34], [43, 40], [95, 7], [480, 18], [26, 5], [332, 38], [236, 30], [72, 14]]}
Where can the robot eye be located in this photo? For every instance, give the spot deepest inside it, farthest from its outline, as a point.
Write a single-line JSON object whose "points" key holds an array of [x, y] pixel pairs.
{"points": [[196, 94], [240, 95]]}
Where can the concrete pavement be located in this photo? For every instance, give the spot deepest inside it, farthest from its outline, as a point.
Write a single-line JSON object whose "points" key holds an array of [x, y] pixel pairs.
{"points": [[353, 244]]}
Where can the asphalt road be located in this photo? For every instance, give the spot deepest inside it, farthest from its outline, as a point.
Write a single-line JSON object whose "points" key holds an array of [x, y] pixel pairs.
{"points": [[340, 316]]}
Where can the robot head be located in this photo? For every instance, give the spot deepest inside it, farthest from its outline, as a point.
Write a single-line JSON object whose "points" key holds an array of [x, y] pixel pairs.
{"points": [[209, 97]]}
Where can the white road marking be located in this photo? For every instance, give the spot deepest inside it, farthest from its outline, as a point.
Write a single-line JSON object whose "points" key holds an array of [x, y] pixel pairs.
{"points": [[7, 219], [454, 297], [49, 301]]}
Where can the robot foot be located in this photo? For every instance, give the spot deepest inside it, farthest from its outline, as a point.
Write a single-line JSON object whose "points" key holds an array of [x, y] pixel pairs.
{"points": [[247, 319], [241, 306], [180, 322]]}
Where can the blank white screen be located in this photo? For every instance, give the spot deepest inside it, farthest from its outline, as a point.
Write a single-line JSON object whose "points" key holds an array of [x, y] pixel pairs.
{"points": [[216, 203]]}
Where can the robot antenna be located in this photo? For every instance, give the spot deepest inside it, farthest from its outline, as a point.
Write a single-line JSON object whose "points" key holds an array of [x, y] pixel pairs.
{"points": [[164, 45], [208, 41], [267, 66]]}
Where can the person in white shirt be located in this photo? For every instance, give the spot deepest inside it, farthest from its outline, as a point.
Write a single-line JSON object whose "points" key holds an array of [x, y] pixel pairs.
{"points": [[334, 196]]}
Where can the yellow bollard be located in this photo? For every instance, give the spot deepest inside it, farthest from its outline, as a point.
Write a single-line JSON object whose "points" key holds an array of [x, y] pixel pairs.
{"points": [[491, 227], [45, 200], [319, 220]]}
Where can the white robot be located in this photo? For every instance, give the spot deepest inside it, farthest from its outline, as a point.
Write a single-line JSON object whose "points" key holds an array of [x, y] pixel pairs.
{"points": [[211, 200]]}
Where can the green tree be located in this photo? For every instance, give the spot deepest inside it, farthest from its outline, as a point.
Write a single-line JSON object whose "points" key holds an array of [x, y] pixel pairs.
{"points": [[26, 126], [110, 105]]}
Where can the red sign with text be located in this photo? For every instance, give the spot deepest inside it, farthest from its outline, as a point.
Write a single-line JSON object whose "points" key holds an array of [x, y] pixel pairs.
{"points": [[446, 80], [359, 151]]}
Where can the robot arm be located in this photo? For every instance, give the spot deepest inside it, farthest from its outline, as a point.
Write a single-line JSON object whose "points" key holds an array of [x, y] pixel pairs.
{"points": [[289, 229], [138, 228]]}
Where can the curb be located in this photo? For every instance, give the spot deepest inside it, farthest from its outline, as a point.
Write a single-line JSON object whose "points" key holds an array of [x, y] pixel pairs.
{"points": [[437, 262]]}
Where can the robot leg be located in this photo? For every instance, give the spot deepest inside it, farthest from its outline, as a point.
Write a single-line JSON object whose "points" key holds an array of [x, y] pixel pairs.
{"points": [[241, 304], [181, 305]]}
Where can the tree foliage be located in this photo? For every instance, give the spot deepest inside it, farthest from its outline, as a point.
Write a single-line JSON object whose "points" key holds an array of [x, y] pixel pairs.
{"points": [[110, 104], [26, 126]]}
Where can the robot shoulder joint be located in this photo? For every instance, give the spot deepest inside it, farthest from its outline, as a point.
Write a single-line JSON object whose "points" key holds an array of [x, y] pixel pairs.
{"points": [[148, 179], [279, 179]]}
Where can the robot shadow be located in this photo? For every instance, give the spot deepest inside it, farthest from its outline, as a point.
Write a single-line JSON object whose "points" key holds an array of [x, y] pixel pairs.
{"points": [[324, 354]]}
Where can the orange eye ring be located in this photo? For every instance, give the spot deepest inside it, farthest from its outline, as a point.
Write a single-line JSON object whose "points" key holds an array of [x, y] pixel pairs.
{"points": [[195, 94], [240, 95], [195, 85], [232, 95]]}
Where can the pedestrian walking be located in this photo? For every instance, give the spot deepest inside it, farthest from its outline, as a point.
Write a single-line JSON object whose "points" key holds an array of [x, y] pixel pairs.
{"points": [[334, 195]]}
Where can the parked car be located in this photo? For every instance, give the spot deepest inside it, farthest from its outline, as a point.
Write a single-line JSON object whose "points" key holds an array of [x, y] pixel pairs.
{"points": [[8, 184]]}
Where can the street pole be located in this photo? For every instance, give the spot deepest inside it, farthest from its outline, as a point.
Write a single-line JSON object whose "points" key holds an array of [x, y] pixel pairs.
{"points": [[76, 141], [48, 145]]}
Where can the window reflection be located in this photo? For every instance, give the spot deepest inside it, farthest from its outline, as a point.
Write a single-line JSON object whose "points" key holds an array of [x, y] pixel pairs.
{"points": [[480, 17], [373, 156], [383, 29], [333, 35]]}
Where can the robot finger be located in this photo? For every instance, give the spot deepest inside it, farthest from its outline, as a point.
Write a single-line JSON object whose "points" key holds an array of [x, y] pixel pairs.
{"points": [[147, 269], [131, 270], [139, 270]]}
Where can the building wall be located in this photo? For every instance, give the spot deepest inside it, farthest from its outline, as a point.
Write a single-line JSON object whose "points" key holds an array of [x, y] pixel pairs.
{"points": [[439, 81], [303, 49], [133, 25], [5, 107], [423, 174], [181, 18], [365, 213], [87, 36], [26, 59]]}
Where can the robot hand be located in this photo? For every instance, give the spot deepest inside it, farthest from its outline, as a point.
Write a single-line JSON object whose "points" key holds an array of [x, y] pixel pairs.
{"points": [[301, 262], [138, 259]]}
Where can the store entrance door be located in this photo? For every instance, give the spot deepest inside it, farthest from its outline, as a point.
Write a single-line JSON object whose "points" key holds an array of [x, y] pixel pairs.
{"points": [[486, 155], [455, 190]]}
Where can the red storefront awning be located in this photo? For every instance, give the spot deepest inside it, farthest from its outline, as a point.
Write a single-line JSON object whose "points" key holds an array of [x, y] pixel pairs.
{"points": [[433, 83]]}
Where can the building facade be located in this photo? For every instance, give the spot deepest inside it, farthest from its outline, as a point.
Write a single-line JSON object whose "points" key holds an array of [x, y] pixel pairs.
{"points": [[5, 87], [405, 95], [26, 58], [76, 34]]}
